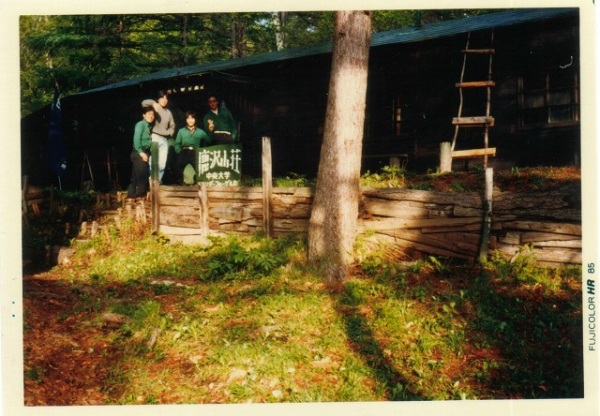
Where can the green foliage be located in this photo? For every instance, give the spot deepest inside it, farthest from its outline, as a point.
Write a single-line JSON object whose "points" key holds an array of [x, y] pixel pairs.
{"points": [[388, 177], [294, 180], [230, 260]]}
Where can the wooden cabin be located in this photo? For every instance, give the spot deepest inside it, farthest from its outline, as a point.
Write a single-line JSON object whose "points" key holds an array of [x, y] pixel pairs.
{"points": [[413, 97]]}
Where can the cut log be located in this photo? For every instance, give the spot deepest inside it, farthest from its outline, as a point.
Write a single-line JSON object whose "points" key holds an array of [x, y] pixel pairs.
{"points": [[396, 209], [302, 192], [560, 214], [556, 228], [479, 51], [291, 211], [430, 249], [246, 194], [547, 200], [400, 223], [560, 244], [442, 242], [479, 121], [179, 201], [228, 214], [513, 238], [475, 84], [467, 199], [467, 212], [536, 237], [473, 153]]}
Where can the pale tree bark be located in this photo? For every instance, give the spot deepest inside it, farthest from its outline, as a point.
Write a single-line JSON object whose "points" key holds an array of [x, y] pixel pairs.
{"points": [[279, 20], [333, 221], [238, 29]]}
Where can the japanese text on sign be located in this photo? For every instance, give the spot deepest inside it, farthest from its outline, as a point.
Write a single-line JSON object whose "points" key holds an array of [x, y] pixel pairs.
{"points": [[220, 165]]}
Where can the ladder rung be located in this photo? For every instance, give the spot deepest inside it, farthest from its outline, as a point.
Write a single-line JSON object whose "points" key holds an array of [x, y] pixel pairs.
{"points": [[475, 84], [473, 121], [480, 51], [465, 154]]}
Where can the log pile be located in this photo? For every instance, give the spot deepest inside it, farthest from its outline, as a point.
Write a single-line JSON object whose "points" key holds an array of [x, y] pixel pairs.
{"points": [[237, 210], [438, 223], [447, 224]]}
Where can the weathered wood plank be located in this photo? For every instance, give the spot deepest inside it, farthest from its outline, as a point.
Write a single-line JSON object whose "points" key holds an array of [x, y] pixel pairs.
{"points": [[566, 214], [536, 237], [435, 240], [178, 201], [549, 254], [400, 242], [557, 228], [230, 213], [175, 230], [471, 227], [185, 221], [396, 209], [291, 211], [401, 223], [290, 199], [511, 237], [459, 211], [303, 192], [546, 200], [560, 244], [467, 199], [473, 153], [245, 194]]}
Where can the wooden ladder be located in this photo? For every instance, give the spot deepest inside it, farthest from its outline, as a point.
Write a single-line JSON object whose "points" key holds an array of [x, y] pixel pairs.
{"points": [[486, 121]]}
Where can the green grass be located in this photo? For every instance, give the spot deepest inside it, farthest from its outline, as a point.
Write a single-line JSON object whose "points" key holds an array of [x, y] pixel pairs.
{"points": [[250, 321]]}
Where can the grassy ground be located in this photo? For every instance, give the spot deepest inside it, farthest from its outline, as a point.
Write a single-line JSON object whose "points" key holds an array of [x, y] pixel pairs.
{"points": [[133, 319]]}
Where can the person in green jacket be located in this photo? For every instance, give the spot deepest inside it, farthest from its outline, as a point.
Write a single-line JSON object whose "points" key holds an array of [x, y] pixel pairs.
{"points": [[189, 138], [219, 123], [142, 140]]}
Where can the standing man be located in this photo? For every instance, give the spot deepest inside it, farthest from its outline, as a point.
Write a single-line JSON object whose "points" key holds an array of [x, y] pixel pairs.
{"points": [[138, 187], [219, 123], [164, 128], [188, 139]]}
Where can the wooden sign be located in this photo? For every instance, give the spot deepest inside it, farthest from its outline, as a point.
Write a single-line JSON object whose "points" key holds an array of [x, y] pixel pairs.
{"points": [[219, 165]]}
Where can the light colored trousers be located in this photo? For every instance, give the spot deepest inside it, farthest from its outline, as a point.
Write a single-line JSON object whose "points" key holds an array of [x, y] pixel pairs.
{"points": [[163, 152]]}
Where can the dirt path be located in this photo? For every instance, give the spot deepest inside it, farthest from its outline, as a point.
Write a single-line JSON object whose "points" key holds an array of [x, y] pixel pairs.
{"points": [[65, 361]]}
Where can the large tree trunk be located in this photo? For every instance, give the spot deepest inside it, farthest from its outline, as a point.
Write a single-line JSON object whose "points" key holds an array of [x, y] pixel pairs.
{"points": [[333, 221]]}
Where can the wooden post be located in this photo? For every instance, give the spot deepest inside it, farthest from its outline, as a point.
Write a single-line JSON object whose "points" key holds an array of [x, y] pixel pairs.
{"points": [[267, 185], [445, 157], [155, 184], [487, 214], [203, 193]]}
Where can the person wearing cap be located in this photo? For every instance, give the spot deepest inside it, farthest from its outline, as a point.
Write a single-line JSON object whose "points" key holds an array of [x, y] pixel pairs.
{"points": [[219, 123]]}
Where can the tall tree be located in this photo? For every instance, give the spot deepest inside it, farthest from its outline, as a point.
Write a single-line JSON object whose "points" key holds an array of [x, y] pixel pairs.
{"points": [[332, 228], [279, 21]]}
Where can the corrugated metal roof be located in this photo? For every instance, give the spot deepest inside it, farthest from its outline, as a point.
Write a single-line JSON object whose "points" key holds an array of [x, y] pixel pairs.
{"points": [[406, 35]]}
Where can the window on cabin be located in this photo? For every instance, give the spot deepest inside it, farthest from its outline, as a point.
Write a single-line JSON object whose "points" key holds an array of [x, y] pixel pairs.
{"points": [[549, 99]]}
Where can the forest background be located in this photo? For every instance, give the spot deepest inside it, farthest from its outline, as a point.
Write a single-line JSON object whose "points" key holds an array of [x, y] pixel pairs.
{"points": [[81, 52]]}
